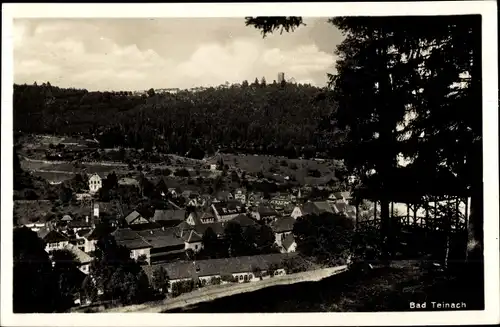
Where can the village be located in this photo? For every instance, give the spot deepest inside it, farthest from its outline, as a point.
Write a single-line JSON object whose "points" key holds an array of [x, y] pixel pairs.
{"points": [[172, 231]]}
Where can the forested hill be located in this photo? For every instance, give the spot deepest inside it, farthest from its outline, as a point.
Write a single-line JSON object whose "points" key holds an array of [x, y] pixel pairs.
{"points": [[286, 119]]}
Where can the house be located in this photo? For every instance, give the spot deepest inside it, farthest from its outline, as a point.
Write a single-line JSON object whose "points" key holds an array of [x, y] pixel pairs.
{"points": [[213, 167], [242, 269], [77, 225], [83, 260], [165, 244], [310, 208], [35, 226], [135, 218], [54, 240], [255, 199], [225, 211], [240, 195], [196, 218], [192, 241], [169, 218], [340, 197], [281, 228], [288, 244], [265, 213], [281, 200], [95, 183], [91, 238], [130, 239], [243, 220]]}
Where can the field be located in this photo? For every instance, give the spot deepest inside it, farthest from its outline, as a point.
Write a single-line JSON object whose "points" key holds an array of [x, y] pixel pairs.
{"points": [[299, 168]]}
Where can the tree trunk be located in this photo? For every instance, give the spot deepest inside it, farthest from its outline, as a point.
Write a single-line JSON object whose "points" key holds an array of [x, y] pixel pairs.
{"points": [[475, 240]]}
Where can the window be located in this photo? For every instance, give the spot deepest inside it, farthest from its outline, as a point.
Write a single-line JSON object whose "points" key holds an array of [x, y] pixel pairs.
{"points": [[196, 247], [241, 277]]}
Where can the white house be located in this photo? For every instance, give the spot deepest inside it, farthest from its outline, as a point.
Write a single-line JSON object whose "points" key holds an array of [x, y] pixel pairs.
{"points": [[95, 183], [240, 196], [192, 240], [281, 228], [288, 244]]}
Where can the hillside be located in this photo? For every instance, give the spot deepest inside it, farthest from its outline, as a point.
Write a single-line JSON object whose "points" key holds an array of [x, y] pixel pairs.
{"points": [[291, 120]]}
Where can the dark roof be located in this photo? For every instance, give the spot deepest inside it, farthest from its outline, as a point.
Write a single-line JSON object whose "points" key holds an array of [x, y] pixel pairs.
{"points": [[266, 211], [316, 208], [191, 237], [83, 232], [229, 208], [78, 224], [288, 241], [217, 227], [284, 224], [243, 220], [169, 215], [54, 237], [161, 237], [211, 267], [145, 226], [130, 239]]}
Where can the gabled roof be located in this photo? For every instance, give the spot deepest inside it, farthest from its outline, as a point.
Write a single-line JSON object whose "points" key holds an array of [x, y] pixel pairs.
{"points": [[191, 237], [228, 208], [54, 237], [211, 267], [282, 225], [169, 215], [243, 220], [266, 211], [323, 206], [217, 227], [130, 239], [132, 216], [288, 241], [222, 195], [83, 232], [161, 237], [81, 257], [66, 218], [341, 206]]}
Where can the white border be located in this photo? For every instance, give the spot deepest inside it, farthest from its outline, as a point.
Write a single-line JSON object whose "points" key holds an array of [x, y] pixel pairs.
{"points": [[487, 9]]}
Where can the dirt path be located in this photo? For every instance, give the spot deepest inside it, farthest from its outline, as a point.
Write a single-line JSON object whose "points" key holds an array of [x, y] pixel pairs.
{"points": [[209, 294]]}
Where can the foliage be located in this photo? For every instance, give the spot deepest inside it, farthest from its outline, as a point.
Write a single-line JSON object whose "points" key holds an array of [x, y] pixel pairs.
{"points": [[117, 275], [325, 237], [268, 25], [160, 280], [270, 119], [67, 275], [183, 286], [34, 288], [296, 264]]}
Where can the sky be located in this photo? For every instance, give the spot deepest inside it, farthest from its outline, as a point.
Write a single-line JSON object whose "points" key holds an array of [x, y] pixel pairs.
{"points": [[140, 53]]}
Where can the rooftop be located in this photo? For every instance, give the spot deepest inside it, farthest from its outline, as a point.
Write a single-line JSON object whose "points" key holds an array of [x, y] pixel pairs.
{"points": [[212, 267], [282, 225], [166, 215]]}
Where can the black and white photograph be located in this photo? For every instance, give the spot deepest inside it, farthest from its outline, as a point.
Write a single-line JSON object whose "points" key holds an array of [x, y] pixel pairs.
{"points": [[250, 159]]}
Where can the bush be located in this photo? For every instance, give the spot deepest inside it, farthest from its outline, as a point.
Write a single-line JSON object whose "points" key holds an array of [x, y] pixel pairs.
{"points": [[181, 287], [215, 281], [228, 278], [296, 264]]}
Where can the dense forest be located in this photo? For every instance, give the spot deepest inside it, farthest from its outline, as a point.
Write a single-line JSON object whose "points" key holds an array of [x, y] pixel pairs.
{"points": [[283, 119]]}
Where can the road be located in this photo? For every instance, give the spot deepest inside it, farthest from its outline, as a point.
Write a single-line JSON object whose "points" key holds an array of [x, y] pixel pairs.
{"points": [[214, 292]]}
